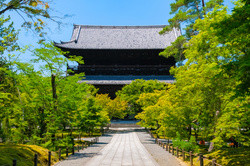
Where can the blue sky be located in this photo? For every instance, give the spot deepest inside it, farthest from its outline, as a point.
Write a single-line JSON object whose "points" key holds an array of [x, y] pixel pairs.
{"points": [[99, 12], [107, 12]]}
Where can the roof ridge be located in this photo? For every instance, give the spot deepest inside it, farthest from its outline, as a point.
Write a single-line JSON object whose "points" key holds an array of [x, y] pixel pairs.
{"points": [[120, 26]]}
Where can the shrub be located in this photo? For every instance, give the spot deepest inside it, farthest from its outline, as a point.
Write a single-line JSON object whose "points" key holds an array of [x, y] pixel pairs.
{"points": [[186, 145]]}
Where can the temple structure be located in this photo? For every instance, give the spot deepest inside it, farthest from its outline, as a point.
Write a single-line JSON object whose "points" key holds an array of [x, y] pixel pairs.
{"points": [[116, 55]]}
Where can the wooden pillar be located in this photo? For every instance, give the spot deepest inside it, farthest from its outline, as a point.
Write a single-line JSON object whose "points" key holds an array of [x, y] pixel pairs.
{"points": [[213, 162], [35, 160], [14, 162], [67, 152], [201, 160], [59, 153], [177, 152], [183, 155], [73, 150], [191, 158], [49, 159]]}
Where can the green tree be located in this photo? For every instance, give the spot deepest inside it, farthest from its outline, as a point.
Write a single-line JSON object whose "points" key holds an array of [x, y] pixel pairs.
{"points": [[207, 56], [236, 36], [149, 116], [116, 108], [131, 92], [204, 101], [186, 12], [92, 116]]}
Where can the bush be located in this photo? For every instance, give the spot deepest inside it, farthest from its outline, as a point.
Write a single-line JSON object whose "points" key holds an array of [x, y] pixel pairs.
{"points": [[186, 145]]}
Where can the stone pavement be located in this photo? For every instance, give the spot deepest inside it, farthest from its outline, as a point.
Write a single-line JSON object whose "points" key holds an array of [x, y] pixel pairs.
{"points": [[123, 147]]}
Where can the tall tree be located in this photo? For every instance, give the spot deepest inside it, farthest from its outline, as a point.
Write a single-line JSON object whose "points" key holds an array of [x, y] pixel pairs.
{"points": [[186, 12]]}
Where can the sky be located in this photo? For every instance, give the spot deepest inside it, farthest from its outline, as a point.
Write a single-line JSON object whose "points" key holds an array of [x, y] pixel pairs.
{"points": [[98, 12]]}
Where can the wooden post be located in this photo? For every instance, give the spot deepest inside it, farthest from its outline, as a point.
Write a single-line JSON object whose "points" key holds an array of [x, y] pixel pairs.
{"points": [[78, 148], [201, 160], [82, 146], [67, 152], [166, 147], [191, 158], [183, 155], [172, 150], [59, 153], [14, 162], [73, 150], [49, 159], [35, 160], [213, 162], [177, 152]]}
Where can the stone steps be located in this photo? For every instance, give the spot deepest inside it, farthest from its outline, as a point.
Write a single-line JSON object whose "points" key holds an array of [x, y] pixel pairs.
{"points": [[124, 124]]}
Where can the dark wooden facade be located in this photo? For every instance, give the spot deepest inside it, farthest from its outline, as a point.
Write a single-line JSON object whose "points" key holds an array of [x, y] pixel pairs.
{"points": [[113, 51]]}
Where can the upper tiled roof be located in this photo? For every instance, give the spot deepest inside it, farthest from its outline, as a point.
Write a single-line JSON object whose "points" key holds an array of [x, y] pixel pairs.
{"points": [[119, 37]]}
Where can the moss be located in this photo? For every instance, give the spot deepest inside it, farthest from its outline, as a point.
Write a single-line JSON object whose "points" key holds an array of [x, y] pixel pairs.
{"points": [[24, 154], [232, 156], [226, 157]]}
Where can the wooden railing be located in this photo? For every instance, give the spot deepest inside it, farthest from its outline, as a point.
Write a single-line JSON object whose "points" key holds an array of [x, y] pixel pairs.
{"points": [[68, 150], [176, 151]]}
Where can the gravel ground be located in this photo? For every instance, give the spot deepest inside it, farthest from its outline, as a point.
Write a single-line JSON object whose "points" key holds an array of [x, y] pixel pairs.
{"points": [[82, 157], [161, 156]]}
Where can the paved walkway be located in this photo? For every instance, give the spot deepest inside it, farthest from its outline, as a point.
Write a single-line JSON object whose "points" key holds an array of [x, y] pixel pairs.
{"points": [[123, 147]]}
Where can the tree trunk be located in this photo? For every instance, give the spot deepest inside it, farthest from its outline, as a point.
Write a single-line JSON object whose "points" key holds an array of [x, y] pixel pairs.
{"points": [[190, 131], [211, 147], [42, 122], [53, 84], [196, 134]]}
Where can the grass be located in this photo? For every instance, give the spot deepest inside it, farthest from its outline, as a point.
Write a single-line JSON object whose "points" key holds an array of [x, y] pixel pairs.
{"points": [[24, 154]]}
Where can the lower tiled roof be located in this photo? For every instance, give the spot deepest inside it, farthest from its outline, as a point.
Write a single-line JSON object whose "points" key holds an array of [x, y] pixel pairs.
{"points": [[124, 79]]}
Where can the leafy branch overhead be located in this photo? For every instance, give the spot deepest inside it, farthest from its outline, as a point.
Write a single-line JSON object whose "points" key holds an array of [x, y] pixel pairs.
{"points": [[33, 12]]}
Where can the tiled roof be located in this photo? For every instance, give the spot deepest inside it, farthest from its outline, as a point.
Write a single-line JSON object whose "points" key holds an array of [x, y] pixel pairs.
{"points": [[119, 37], [123, 79]]}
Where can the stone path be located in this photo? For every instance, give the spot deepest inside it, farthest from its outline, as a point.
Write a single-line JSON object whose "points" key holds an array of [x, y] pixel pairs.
{"points": [[123, 147]]}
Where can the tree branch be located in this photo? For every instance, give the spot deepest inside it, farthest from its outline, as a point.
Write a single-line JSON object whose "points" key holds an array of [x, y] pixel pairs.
{"points": [[7, 8]]}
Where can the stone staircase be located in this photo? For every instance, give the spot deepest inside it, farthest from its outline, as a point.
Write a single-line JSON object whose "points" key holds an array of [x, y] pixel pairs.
{"points": [[124, 124]]}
